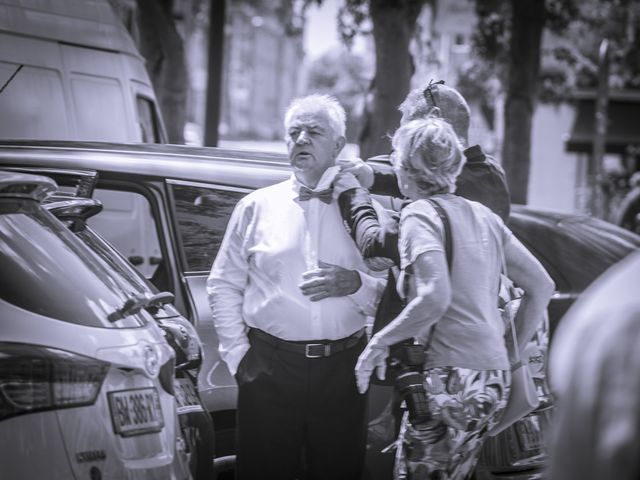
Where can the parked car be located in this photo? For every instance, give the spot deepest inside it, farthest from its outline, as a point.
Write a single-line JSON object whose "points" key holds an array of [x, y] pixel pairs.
{"points": [[166, 210], [195, 423], [86, 386]]}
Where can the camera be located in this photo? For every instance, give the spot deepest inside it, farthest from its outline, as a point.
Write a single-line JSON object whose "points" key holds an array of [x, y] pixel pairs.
{"points": [[407, 360]]}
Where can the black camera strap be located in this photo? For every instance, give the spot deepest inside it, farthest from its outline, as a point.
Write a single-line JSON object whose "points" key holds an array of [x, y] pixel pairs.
{"points": [[448, 246], [448, 250]]}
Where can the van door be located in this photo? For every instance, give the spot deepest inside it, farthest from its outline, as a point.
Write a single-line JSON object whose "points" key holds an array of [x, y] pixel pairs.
{"points": [[33, 103], [99, 97], [201, 212]]}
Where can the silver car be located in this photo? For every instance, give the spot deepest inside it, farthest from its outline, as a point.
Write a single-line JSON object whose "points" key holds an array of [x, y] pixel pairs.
{"points": [[86, 387]]}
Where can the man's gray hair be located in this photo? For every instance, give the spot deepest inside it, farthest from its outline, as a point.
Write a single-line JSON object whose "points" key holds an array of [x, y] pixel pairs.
{"points": [[437, 99], [317, 102], [430, 149]]}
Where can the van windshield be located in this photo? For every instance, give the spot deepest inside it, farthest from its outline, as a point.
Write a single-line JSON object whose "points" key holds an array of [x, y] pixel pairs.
{"points": [[48, 271]]}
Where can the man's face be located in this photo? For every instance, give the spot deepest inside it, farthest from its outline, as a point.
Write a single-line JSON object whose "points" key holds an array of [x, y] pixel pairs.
{"points": [[312, 145]]}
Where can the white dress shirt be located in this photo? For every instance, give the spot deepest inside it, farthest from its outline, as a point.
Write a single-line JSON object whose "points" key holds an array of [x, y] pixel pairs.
{"points": [[273, 238]]}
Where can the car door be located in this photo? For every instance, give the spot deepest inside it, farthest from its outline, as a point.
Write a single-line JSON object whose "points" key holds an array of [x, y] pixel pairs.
{"points": [[200, 213]]}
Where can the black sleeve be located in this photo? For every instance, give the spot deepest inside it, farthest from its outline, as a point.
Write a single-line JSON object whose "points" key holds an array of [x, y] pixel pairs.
{"points": [[372, 238], [385, 181], [484, 181]]}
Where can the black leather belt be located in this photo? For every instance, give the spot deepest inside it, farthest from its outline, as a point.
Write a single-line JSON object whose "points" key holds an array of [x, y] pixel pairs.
{"points": [[310, 349]]}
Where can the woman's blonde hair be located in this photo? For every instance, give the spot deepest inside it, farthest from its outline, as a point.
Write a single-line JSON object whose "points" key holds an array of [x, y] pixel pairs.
{"points": [[429, 149]]}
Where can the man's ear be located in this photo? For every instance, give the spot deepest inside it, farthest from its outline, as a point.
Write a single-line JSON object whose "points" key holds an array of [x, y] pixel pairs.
{"points": [[340, 143]]}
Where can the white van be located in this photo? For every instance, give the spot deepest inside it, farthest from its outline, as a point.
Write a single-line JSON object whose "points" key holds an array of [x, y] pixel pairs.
{"points": [[70, 71]]}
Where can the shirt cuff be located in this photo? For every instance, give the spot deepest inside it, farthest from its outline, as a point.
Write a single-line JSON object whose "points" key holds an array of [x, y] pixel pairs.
{"points": [[233, 357], [368, 295]]}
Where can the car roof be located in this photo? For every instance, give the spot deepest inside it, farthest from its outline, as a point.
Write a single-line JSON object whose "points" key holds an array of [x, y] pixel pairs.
{"points": [[574, 248], [248, 169]]}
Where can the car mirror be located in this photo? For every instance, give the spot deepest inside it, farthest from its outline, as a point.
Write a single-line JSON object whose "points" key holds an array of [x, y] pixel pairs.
{"points": [[205, 201]]}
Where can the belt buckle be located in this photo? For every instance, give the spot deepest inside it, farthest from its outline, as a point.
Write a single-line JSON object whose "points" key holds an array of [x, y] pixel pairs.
{"points": [[308, 354]]}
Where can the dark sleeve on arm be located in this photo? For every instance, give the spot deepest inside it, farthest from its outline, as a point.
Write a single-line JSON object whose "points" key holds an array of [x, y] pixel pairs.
{"points": [[484, 181], [385, 181], [372, 238]]}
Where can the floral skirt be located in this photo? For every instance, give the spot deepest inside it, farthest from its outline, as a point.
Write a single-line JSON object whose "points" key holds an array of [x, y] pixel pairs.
{"points": [[464, 404]]}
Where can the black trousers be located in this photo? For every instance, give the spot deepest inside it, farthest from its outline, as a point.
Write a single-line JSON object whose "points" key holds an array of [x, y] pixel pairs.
{"points": [[298, 417]]}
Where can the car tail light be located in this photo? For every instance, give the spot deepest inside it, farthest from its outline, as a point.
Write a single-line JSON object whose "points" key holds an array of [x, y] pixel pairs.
{"points": [[35, 378]]}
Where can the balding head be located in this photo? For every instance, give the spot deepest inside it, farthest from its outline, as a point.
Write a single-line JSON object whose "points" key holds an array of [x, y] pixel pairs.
{"points": [[441, 100]]}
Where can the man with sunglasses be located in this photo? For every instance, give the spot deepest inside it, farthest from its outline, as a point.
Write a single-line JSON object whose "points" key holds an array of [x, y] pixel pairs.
{"points": [[482, 178]]}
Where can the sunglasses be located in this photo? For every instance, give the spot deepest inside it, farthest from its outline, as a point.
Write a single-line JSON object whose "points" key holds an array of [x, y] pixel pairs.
{"points": [[428, 92]]}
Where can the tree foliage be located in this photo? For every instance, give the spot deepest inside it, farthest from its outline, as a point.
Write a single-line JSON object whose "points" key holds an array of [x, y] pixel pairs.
{"points": [[153, 29], [567, 59], [392, 24], [573, 32], [346, 75]]}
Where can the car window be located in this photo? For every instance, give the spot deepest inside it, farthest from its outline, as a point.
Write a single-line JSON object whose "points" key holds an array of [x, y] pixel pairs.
{"points": [[115, 261], [202, 215], [127, 223], [48, 271]]}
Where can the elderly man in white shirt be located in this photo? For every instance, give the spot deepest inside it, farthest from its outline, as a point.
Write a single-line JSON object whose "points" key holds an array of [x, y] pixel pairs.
{"points": [[290, 297]]}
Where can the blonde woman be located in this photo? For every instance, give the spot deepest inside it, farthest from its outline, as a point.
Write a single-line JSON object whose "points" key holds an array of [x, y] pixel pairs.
{"points": [[452, 309]]}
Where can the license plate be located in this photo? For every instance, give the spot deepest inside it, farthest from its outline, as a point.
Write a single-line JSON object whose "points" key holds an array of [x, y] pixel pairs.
{"points": [[134, 412], [186, 397]]}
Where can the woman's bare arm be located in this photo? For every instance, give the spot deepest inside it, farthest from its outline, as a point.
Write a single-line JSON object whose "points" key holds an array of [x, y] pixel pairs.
{"points": [[527, 273]]}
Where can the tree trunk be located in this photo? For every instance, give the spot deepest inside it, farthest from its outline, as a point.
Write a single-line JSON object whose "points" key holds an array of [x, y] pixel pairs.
{"points": [[217, 18], [161, 45], [393, 27], [528, 18]]}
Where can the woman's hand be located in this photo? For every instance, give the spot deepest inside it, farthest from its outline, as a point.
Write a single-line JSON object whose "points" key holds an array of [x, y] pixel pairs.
{"points": [[359, 168], [345, 181], [374, 356]]}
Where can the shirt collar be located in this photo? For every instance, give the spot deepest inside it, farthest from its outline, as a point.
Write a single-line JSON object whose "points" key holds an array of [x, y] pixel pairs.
{"points": [[325, 182]]}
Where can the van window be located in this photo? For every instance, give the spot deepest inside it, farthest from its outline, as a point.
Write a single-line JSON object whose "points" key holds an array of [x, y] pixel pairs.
{"points": [[148, 120], [24, 101], [202, 215]]}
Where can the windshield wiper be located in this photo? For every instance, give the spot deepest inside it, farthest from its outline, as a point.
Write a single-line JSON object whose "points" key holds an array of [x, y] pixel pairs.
{"points": [[136, 303]]}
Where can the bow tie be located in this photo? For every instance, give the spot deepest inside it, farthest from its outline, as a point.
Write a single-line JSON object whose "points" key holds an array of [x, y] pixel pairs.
{"points": [[323, 195]]}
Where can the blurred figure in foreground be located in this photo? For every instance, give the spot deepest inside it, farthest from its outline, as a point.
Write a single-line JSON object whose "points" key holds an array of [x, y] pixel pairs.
{"points": [[595, 373]]}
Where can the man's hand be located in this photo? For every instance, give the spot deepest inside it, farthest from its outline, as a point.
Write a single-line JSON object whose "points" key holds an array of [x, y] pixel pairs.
{"points": [[329, 281], [358, 168], [374, 356]]}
